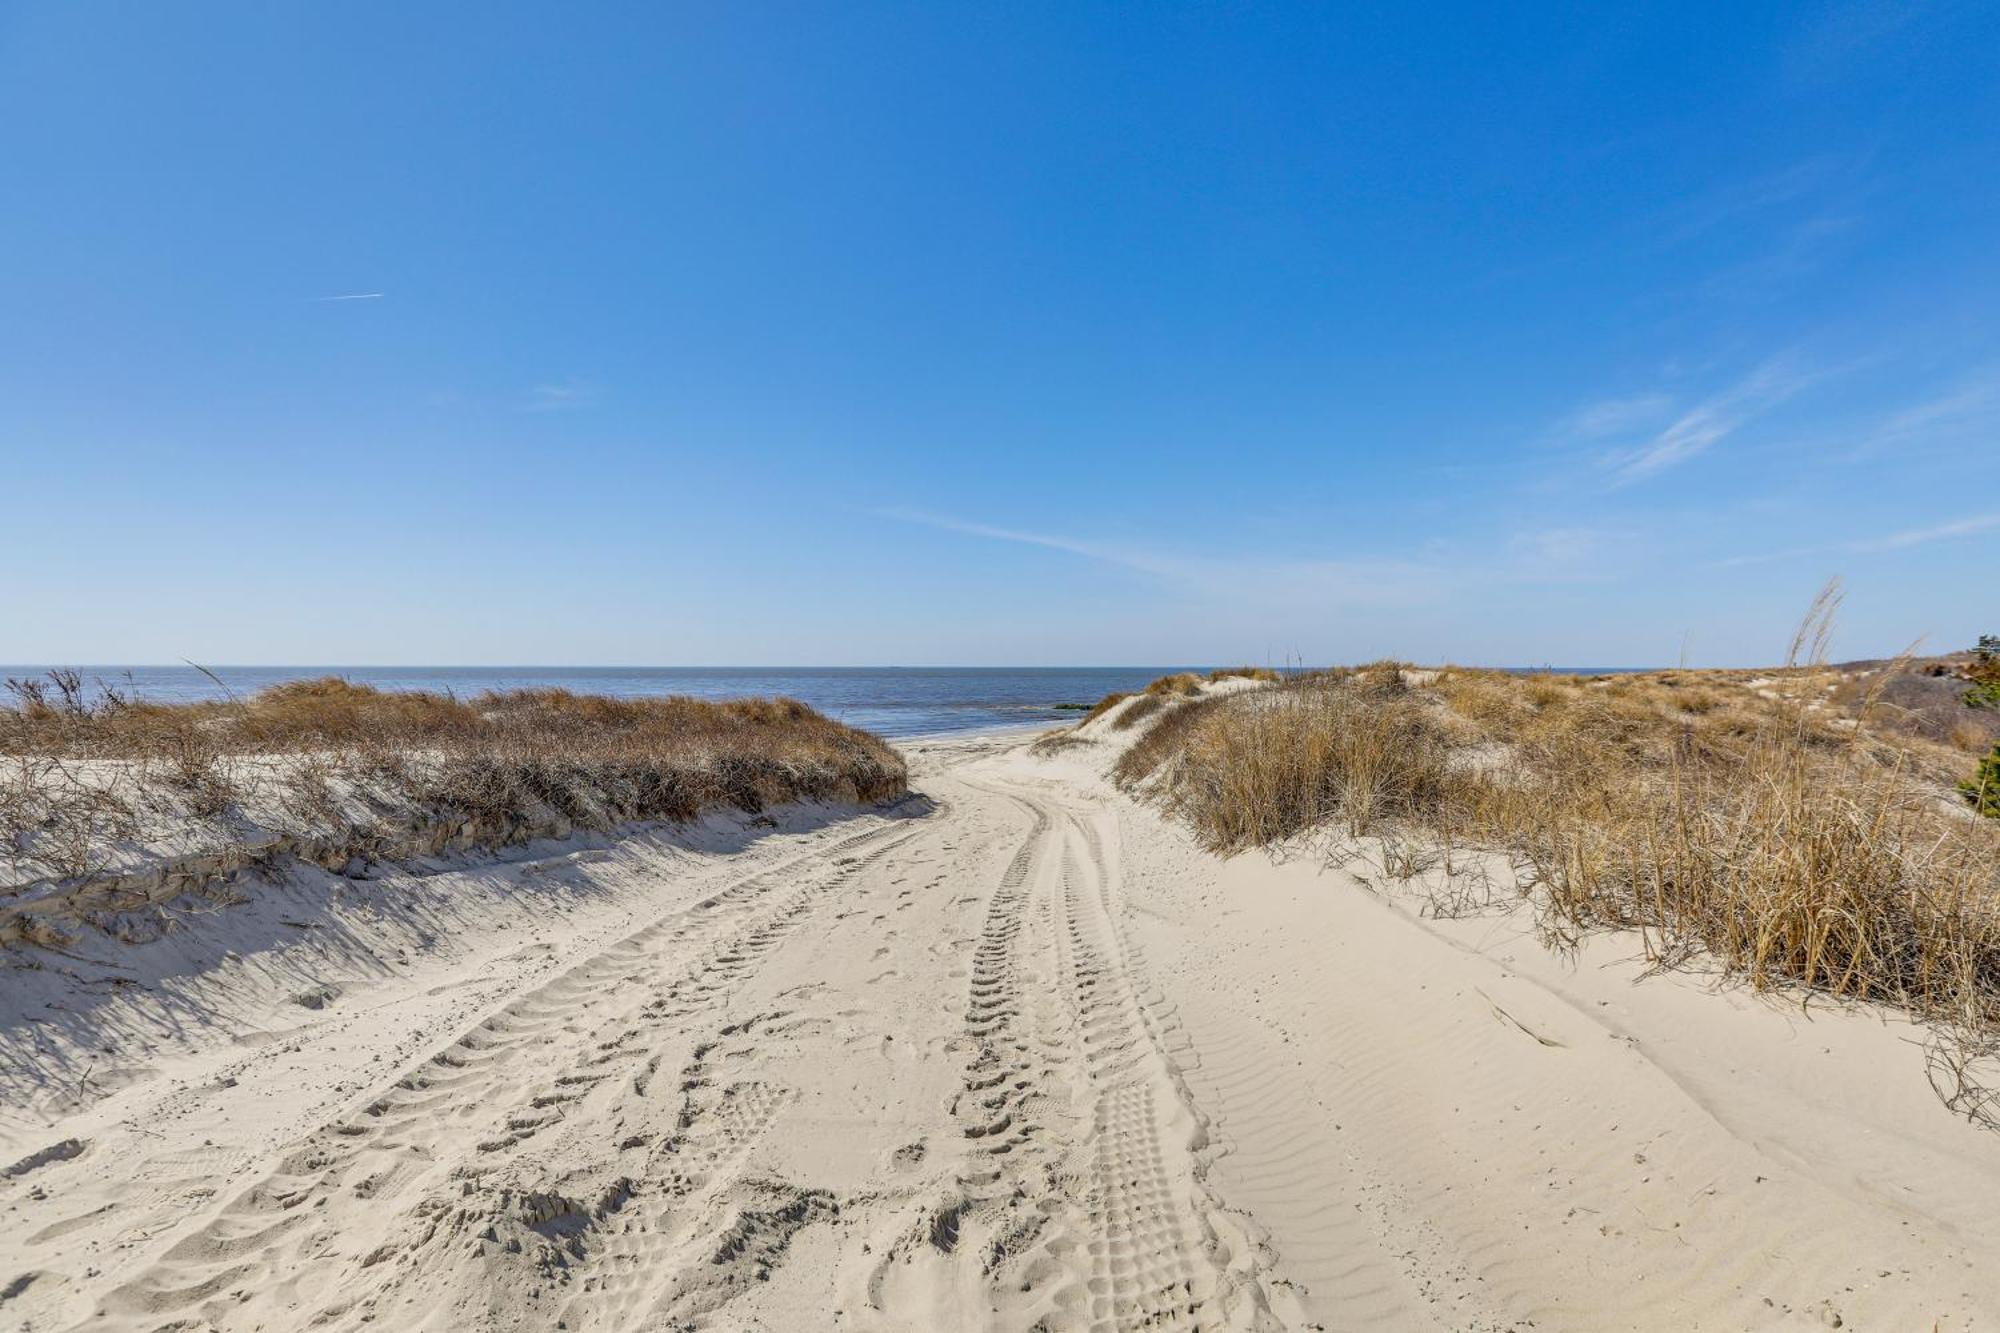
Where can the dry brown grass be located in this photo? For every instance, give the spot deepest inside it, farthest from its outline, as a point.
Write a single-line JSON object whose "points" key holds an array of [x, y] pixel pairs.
{"points": [[1141, 708], [1160, 742], [1296, 759], [1789, 841], [85, 775], [1168, 694], [1051, 743], [1103, 706]]}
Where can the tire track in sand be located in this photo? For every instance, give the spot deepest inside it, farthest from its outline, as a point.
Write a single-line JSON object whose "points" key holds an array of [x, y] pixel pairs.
{"points": [[307, 1234], [1165, 1255], [1080, 1204]]}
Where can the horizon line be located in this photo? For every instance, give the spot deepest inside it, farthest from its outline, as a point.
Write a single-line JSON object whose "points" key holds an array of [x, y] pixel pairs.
{"points": [[185, 665]]}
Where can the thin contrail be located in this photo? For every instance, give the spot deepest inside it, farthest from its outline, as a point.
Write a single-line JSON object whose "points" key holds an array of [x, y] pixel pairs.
{"points": [[352, 296]]}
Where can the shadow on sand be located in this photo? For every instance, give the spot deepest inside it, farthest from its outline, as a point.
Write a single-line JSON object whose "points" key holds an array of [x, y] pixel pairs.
{"points": [[82, 1019]]}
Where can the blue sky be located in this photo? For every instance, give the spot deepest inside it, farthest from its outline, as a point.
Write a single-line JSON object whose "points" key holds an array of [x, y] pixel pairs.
{"points": [[995, 334]]}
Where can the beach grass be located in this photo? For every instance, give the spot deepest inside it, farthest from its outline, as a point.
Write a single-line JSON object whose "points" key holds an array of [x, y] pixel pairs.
{"points": [[86, 774], [1779, 824]]}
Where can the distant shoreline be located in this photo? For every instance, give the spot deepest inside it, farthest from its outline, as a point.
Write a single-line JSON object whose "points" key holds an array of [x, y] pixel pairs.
{"points": [[894, 702], [422, 668]]}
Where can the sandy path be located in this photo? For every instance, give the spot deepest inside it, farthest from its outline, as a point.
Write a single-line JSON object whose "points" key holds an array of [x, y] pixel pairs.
{"points": [[1021, 1059]]}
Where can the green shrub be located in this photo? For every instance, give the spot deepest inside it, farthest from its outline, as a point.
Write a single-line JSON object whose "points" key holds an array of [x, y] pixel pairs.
{"points": [[1984, 673], [1983, 787]]}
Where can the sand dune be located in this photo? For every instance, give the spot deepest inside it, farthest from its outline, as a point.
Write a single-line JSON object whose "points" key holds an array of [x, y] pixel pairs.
{"points": [[1014, 1055]]}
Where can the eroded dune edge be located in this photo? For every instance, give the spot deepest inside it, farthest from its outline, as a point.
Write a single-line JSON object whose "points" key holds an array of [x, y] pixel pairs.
{"points": [[1011, 1054]]}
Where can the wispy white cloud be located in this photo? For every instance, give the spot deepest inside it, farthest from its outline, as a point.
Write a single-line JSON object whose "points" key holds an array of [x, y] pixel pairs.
{"points": [[1561, 546], [1895, 541], [558, 397], [1358, 581], [1956, 420], [352, 296], [1615, 416], [1773, 557], [1794, 251], [1964, 527], [1972, 405], [1727, 203], [1366, 581], [1708, 423], [1089, 550]]}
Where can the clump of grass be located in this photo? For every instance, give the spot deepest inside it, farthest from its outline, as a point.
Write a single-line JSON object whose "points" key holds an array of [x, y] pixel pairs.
{"points": [[1160, 742], [1141, 708], [85, 772], [332, 711], [1055, 742], [1792, 844], [1303, 758], [1104, 705], [1157, 698]]}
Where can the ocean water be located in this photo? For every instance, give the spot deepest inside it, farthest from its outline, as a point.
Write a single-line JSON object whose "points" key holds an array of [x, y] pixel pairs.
{"points": [[890, 701]]}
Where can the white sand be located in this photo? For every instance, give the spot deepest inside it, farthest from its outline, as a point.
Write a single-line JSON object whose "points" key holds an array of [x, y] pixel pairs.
{"points": [[1024, 1060]]}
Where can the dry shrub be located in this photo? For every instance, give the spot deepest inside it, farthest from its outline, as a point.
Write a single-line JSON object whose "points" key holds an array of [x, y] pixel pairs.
{"points": [[88, 771], [194, 767], [49, 818], [1181, 682], [1935, 707], [1967, 736], [1244, 672]]}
